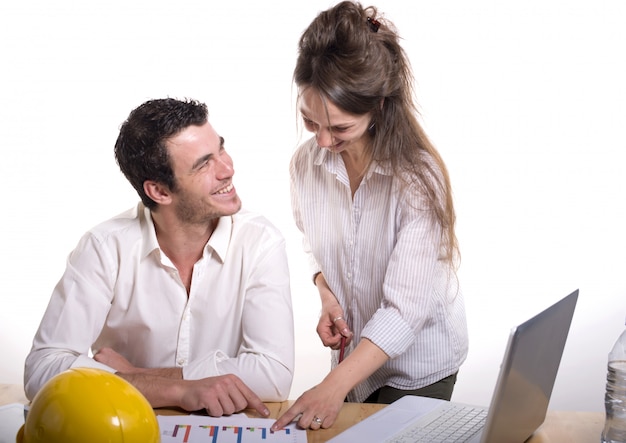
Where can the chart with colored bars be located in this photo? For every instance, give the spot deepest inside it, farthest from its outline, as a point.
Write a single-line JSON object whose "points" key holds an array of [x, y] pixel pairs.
{"points": [[234, 429]]}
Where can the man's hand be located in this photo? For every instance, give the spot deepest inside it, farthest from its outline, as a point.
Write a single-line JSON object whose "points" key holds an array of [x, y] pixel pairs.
{"points": [[220, 395], [115, 360]]}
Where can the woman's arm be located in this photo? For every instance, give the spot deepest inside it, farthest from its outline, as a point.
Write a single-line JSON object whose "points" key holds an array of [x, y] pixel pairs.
{"points": [[325, 400]]}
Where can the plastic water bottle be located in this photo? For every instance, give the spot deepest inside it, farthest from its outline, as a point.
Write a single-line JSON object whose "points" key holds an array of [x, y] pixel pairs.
{"points": [[615, 397]]}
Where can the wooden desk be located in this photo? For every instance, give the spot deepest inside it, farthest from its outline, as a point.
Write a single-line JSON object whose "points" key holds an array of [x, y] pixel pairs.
{"points": [[559, 426]]}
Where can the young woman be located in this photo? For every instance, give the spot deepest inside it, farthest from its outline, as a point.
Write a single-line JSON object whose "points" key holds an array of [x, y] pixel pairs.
{"points": [[372, 198]]}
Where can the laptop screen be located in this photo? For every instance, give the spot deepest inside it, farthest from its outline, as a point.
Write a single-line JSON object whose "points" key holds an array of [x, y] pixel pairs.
{"points": [[528, 372]]}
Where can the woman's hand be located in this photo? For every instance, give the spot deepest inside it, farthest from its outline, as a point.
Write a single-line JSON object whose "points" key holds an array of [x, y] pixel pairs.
{"points": [[332, 325], [317, 408]]}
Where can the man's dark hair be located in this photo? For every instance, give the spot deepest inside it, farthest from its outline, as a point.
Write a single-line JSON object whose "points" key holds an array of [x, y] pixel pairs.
{"points": [[140, 149]]}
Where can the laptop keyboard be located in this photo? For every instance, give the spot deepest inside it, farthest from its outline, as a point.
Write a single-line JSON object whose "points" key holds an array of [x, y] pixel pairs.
{"points": [[457, 423]]}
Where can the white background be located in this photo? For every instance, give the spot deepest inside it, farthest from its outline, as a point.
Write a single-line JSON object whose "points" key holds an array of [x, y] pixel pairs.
{"points": [[525, 100]]}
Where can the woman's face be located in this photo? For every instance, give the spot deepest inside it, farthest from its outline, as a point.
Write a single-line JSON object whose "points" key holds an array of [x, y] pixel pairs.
{"points": [[334, 129]]}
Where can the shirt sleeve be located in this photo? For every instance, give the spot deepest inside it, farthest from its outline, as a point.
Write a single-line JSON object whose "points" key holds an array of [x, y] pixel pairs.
{"points": [[265, 360], [411, 284], [73, 319]]}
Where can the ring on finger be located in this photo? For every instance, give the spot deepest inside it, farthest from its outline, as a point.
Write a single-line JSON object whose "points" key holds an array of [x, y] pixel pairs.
{"points": [[337, 318], [317, 420]]}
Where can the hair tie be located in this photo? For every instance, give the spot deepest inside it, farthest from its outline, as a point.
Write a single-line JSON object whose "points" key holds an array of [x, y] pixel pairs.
{"points": [[373, 23]]}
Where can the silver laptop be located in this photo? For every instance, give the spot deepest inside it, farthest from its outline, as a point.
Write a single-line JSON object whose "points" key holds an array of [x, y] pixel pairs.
{"points": [[518, 406]]}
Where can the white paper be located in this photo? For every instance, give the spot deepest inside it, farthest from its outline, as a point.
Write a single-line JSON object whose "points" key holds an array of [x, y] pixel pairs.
{"points": [[11, 419], [233, 429]]}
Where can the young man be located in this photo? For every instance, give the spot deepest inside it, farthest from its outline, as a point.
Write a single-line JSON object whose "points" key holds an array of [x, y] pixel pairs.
{"points": [[187, 295]]}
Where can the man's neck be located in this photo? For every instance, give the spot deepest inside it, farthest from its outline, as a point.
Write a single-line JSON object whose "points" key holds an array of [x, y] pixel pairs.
{"points": [[182, 243]]}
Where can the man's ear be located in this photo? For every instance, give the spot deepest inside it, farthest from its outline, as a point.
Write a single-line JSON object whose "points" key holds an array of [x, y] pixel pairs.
{"points": [[157, 192]]}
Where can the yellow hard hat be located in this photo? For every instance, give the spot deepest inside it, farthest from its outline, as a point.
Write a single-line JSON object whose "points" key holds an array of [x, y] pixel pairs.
{"points": [[84, 405]]}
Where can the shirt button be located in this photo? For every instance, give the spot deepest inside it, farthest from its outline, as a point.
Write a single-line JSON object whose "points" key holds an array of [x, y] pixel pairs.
{"points": [[181, 362]]}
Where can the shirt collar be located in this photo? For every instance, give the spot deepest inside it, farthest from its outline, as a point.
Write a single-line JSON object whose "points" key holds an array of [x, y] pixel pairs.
{"points": [[331, 162], [149, 233], [219, 241]]}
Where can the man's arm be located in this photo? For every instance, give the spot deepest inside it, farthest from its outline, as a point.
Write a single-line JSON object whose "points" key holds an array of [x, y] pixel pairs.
{"points": [[73, 318], [163, 387]]}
